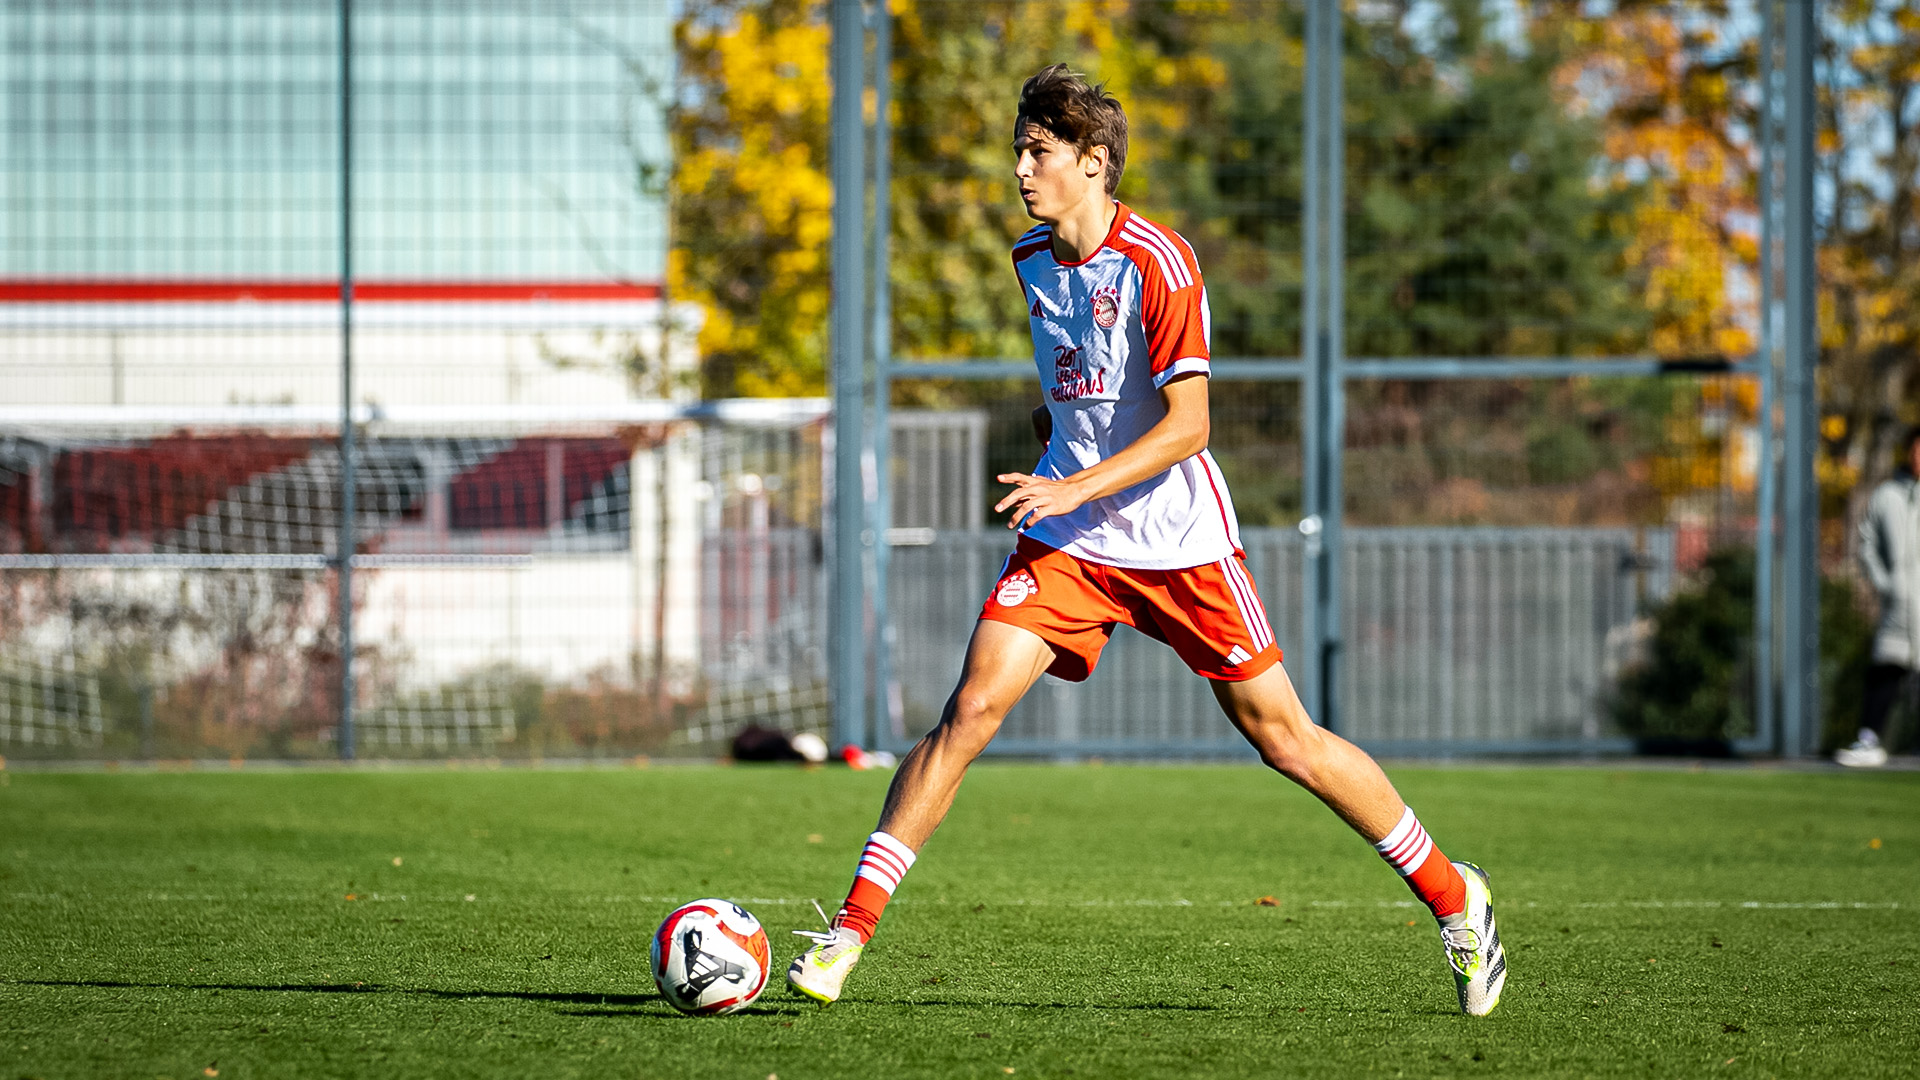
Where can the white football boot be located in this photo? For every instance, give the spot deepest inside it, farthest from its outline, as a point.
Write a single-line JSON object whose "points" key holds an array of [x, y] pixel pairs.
{"points": [[1472, 945], [821, 971], [1865, 753]]}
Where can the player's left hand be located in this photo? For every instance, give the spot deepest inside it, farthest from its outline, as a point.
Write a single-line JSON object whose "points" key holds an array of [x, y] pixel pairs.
{"points": [[1036, 498]]}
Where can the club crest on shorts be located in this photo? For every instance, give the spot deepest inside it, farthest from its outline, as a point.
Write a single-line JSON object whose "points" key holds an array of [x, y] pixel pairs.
{"points": [[1015, 588], [1106, 307]]}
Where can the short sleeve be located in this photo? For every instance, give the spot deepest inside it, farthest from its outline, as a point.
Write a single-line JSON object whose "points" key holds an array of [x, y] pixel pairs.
{"points": [[1177, 325]]}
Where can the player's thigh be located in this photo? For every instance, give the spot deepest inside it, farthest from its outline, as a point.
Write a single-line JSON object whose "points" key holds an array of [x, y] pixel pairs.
{"points": [[1003, 662], [1265, 708]]}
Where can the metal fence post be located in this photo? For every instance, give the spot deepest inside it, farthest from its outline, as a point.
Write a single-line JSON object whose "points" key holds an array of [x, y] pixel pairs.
{"points": [[1323, 391], [347, 538], [887, 714], [1800, 580], [1767, 470], [847, 682]]}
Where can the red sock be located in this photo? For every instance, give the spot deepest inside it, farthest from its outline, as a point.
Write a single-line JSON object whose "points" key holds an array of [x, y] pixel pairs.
{"points": [[1409, 850], [883, 863]]}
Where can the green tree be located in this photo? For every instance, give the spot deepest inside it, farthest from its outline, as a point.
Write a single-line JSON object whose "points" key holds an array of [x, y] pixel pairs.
{"points": [[1696, 679], [1475, 225]]}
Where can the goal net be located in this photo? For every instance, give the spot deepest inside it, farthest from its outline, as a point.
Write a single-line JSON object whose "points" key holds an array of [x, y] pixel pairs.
{"points": [[526, 580]]}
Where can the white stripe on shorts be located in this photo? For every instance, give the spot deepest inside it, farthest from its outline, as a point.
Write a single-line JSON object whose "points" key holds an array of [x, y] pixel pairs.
{"points": [[1248, 602]]}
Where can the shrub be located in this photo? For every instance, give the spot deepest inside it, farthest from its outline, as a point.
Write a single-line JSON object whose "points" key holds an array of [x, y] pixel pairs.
{"points": [[1696, 682]]}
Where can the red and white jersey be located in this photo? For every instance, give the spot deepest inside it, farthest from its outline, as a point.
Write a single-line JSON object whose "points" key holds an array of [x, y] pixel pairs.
{"points": [[1108, 333]]}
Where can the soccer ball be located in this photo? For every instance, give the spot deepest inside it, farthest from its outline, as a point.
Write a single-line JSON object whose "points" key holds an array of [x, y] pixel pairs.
{"points": [[710, 958]]}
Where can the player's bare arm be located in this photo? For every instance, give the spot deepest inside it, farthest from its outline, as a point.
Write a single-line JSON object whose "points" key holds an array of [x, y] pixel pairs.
{"points": [[1182, 434]]}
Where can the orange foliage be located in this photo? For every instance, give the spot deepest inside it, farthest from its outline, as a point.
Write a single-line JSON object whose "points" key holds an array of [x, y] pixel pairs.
{"points": [[1669, 117]]}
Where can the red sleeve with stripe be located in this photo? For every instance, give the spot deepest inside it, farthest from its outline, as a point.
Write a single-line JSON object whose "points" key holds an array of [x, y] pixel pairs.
{"points": [[1175, 320]]}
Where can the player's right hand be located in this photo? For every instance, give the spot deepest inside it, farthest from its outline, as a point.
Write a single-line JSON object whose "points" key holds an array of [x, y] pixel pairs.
{"points": [[1036, 498], [1043, 425]]}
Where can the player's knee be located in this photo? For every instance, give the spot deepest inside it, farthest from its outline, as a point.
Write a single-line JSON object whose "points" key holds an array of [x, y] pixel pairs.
{"points": [[972, 719], [1287, 748]]}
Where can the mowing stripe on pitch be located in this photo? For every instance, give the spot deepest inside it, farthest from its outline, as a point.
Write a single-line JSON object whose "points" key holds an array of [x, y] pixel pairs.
{"points": [[786, 901]]}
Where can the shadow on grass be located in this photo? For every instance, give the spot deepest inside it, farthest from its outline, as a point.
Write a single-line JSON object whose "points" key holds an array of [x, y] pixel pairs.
{"points": [[1091, 1006], [610, 1005], [629, 1005]]}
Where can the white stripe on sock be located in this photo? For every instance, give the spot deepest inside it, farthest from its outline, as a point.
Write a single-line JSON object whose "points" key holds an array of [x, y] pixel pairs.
{"points": [[884, 861], [1407, 846]]}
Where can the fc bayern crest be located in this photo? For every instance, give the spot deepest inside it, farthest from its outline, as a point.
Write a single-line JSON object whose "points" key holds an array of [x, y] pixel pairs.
{"points": [[1106, 308], [1015, 589]]}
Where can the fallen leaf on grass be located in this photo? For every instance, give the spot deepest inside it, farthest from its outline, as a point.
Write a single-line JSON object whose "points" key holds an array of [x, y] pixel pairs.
{"points": [[1266, 901]]}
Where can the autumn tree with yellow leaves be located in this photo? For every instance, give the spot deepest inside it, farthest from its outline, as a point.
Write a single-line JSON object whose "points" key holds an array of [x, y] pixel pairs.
{"points": [[752, 200], [1583, 186], [1869, 260]]}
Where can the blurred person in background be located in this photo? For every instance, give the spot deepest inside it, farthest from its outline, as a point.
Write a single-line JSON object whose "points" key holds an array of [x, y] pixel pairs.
{"points": [[1890, 554]]}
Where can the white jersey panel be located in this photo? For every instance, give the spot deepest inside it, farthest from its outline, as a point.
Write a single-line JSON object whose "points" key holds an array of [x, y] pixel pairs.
{"points": [[1107, 334]]}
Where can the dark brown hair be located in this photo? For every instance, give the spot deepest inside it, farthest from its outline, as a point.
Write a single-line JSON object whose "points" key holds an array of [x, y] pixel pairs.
{"points": [[1082, 116]]}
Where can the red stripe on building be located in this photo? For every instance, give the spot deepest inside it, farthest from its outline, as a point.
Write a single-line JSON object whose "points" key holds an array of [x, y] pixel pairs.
{"points": [[97, 291]]}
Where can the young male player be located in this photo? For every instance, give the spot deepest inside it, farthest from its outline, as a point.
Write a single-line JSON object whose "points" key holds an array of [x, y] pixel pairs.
{"points": [[1126, 520]]}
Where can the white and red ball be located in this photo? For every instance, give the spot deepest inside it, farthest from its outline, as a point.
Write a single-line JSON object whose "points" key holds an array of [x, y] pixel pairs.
{"points": [[710, 957]]}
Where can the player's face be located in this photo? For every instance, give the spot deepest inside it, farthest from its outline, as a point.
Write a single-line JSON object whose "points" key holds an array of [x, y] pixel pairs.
{"points": [[1053, 178]]}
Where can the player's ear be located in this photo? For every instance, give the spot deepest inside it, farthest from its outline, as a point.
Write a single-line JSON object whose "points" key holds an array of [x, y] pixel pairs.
{"points": [[1095, 160]]}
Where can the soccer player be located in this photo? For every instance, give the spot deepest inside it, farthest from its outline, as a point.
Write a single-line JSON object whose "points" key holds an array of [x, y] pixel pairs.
{"points": [[1126, 520]]}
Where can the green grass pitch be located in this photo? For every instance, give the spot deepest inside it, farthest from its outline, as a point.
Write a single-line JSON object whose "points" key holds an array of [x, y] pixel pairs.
{"points": [[1066, 921]]}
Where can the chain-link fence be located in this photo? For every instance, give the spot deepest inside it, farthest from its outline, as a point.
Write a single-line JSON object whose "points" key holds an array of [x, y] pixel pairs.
{"points": [[1503, 323]]}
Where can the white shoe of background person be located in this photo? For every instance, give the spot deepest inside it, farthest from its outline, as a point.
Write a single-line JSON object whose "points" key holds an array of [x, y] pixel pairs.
{"points": [[1865, 753]]}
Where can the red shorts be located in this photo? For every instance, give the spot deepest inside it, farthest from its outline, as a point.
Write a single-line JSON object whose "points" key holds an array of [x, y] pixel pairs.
{"points": [[1210, 614]]}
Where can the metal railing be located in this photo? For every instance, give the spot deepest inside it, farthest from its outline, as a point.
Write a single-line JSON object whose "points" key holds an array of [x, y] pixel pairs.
{"points": [[1462, 641]]}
